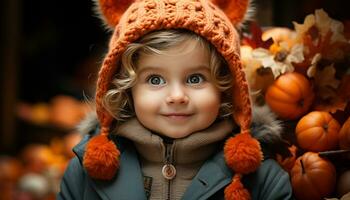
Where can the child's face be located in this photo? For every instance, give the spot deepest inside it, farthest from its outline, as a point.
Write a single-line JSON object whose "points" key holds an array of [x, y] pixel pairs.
{"points": [[174, 94]]}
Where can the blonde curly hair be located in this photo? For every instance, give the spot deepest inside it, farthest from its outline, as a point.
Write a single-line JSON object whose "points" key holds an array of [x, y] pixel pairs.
{"points": [[118, 100]]}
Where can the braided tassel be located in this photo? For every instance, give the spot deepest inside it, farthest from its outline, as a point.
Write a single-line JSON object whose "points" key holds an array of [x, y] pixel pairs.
{"points": [[101, 158], [236, 191]]}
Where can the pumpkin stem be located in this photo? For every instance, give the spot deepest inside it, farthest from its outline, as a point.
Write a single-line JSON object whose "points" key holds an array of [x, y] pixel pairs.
{"points": [[302, 166], [301, 103], [325, 127]]}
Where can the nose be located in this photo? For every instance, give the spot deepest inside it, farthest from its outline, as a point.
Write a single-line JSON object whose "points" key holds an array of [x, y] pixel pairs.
{"points": [[177, 95]]}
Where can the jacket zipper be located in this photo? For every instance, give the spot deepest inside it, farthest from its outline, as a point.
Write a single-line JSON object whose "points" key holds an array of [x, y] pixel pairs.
{"points": [[169, 171]]}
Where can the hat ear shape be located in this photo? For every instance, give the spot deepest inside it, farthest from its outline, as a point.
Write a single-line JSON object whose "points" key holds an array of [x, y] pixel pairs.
{"points": [[236, 10], [110, 11]]}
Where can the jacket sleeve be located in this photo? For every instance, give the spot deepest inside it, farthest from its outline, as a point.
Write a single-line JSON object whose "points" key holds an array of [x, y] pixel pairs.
{"points": [[270, 182], [72, 182]]}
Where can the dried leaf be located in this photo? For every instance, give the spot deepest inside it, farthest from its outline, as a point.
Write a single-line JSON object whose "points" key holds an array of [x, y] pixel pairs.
{"points": [[311, 72], [325, 78], [327, 92], [255, 38], [325, 24], [288, 163], [322, 34], [301, 29], [321, 22], [331, 105]]}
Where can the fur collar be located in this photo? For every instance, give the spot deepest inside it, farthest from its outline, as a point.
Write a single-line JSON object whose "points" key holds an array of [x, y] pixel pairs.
{"points": [[265, 127]]}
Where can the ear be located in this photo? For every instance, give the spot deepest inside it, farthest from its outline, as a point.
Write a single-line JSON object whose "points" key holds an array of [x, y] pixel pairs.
{"points": [[110, 11], [236, 10]]}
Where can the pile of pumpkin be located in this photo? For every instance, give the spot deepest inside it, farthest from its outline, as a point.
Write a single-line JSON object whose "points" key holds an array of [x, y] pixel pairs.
{"points": [[303, 75], [36, 172], [62, 111], [317, 133]]}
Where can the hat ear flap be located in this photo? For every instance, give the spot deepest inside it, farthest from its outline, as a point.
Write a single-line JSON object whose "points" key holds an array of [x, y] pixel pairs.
{"points": [[110, 11], [236, 10]]}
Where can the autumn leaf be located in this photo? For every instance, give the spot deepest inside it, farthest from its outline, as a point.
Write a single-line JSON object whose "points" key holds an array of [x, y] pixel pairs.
{"points": [[321, 35], [288, 163], [321, 22], [331, 51], [327, 90], [325, 80], [311, 72], [331, 105], [255, 38]]}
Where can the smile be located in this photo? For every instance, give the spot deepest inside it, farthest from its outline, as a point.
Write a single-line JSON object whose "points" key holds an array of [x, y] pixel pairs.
{"points": [[177, 116]]}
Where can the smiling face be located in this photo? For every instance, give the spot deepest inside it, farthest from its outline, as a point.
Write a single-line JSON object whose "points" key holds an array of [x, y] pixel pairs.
{"points": [[174, 94]]}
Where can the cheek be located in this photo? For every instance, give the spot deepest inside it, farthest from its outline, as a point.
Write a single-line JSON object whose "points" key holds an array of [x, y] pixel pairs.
{"points": [[209, 101], [144, 102]]}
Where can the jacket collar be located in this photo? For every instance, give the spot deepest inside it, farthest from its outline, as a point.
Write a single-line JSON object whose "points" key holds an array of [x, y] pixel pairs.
{"points": [[129, 176], [205, 184]]}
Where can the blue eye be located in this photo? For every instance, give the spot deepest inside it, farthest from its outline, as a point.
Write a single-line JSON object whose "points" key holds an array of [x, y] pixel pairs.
{"points": [[156, 80], [195, 79]]}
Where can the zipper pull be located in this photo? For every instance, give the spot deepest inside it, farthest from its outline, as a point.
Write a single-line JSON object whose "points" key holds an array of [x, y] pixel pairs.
{"points": [[168, 170]]}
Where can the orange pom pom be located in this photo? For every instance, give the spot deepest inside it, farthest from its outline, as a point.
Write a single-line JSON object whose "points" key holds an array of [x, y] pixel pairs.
{"points": [[236, 191], [101, 158], [243, 153]]}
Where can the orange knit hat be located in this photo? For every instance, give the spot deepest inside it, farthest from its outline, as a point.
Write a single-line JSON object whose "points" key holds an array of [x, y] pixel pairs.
{"points": [[214, 20]]}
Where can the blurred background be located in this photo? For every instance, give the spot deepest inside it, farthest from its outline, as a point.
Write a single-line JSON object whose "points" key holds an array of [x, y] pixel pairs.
{"points": [[50, 52]]}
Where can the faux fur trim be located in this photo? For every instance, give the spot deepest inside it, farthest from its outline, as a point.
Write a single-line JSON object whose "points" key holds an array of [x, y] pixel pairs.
{"points": [[268, 130], [88, 124], [265, 127]]}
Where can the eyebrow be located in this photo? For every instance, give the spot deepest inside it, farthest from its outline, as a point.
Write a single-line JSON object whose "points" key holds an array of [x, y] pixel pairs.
{"points": [[199, 67], [189, 68]]}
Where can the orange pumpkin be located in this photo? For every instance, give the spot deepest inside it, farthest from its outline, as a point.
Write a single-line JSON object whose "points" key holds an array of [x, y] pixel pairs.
{"points": [[344, 135], [312, 177], [290, 96], [10, 170], [317, 131], [65, 111], [36, 158]]}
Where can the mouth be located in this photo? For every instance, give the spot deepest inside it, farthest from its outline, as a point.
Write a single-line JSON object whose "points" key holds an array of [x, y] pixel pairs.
{"points": [[177, 116]]}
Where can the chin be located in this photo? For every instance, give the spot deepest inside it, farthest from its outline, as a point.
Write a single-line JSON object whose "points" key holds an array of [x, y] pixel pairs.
{"points": [[170, 134], [177, 135]]}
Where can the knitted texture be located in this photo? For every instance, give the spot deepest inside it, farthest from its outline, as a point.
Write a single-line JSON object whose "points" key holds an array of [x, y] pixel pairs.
{"points": [[202, 17]]}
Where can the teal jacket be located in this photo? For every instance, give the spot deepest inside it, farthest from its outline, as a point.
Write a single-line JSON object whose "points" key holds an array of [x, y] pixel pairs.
{"points": [[269, 182]]}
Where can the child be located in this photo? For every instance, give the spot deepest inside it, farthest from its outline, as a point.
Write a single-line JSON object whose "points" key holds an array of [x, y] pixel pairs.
{"points": [[170, 94]]}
